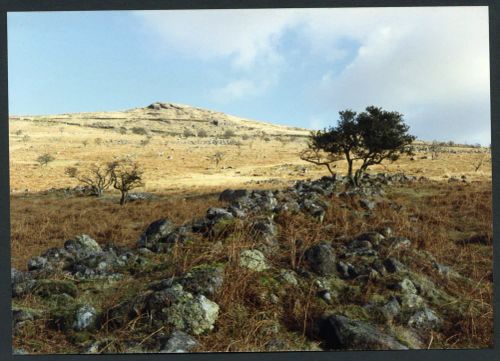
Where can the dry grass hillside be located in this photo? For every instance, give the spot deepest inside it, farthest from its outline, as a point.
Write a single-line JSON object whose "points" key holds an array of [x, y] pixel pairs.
{"points": [[174, 145]]}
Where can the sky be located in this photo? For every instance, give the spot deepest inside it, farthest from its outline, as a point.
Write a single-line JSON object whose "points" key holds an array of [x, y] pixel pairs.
{"points": [[297, 67]]}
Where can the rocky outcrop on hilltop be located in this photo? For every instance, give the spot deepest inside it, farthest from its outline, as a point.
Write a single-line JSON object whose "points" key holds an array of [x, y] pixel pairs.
{"points": [[370, 288]]}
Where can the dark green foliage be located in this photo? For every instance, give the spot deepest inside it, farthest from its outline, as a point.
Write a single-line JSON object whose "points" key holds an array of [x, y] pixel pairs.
{"points": [[370, 137]]}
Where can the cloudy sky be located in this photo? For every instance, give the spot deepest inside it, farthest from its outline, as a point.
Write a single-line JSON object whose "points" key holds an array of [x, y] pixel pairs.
{"points": [[289, 66]]}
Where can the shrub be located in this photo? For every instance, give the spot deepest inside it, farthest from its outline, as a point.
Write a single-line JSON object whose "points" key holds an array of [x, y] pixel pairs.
{"points": [[45, 159], [202, 133], [229, 134], [188, 133], [139, 131]]}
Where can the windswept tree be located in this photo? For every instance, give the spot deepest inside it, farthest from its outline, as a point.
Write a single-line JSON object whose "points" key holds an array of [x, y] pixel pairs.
{"points": [[363, 139], [126, 176], [217, 158], [45, 159], [435, 148], [97, 177]]}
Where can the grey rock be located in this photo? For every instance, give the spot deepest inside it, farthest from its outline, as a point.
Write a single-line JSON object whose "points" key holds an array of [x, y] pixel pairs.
{"points": [[154, 233], [85, 317], [340, 332], [288, 276], [37, 263], [373, 237], [322, 259], [188, 313], [392, 308], [82, 243], [217, 214], [21, 282], [367, 204], [392, 265], [254, 260], [425, 319], [179, 342], [230, 195], [204, 279]]}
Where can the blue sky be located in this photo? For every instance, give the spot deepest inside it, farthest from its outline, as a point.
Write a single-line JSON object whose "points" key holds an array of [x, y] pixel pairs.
{"points": [[295, 67]]}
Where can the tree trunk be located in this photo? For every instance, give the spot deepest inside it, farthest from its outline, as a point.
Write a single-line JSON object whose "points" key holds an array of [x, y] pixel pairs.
{"points": [[349, 172], [123, 197]]}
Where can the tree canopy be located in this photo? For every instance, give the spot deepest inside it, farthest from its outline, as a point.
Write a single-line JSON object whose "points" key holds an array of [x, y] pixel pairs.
{"points": [[366, 138]]}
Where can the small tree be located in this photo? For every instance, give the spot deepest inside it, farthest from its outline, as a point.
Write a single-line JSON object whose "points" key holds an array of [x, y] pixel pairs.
{"points": [[435, 148], [369, 138], [217, 158], [45, 159], [202, 133], [97, 177], [229, 134], [125, 175]]}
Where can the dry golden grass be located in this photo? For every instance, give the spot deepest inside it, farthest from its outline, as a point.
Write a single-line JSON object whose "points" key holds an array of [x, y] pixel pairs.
{"points": [[177, 164], [443, 213]]}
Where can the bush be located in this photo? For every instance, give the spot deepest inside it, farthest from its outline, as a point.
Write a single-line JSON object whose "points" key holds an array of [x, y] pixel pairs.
{"points": [[229, 134], [139, 131], [188, 133], [45, 159], [202, 133]]}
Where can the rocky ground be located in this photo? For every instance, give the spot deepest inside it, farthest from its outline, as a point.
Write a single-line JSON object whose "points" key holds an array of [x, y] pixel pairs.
{"points": [[247, 277]]}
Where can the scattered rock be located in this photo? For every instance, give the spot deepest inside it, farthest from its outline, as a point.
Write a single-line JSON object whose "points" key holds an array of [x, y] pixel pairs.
{"points": [[85, 317], [321, 258], [179, 342], [340, 332], [425, 319], [82, 243], [254, 260], [155, 232]]}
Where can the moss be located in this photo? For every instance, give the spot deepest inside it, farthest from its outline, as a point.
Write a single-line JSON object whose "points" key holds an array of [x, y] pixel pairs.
{"points": [[80, 337], [207, 266], [223, 228], [355, 312], [47, 288]]}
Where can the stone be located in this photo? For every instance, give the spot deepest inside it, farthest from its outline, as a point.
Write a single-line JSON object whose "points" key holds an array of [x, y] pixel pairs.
{"points": [[392, 265], [37, 263], [218, 214], [85, 317], [204, 279], [340, 332], [322, 259], [188, 313], [346, 270], [21, 282], [392, 308], [179, 342], [83, 243], [373, 237], [288, 277], [367, 204], [425, 319], [230, 195], [254, 260], [154, 233], [398, 242]]}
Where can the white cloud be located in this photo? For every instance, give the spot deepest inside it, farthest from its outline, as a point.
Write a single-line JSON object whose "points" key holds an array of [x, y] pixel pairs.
{"points": [[424, 62]]}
